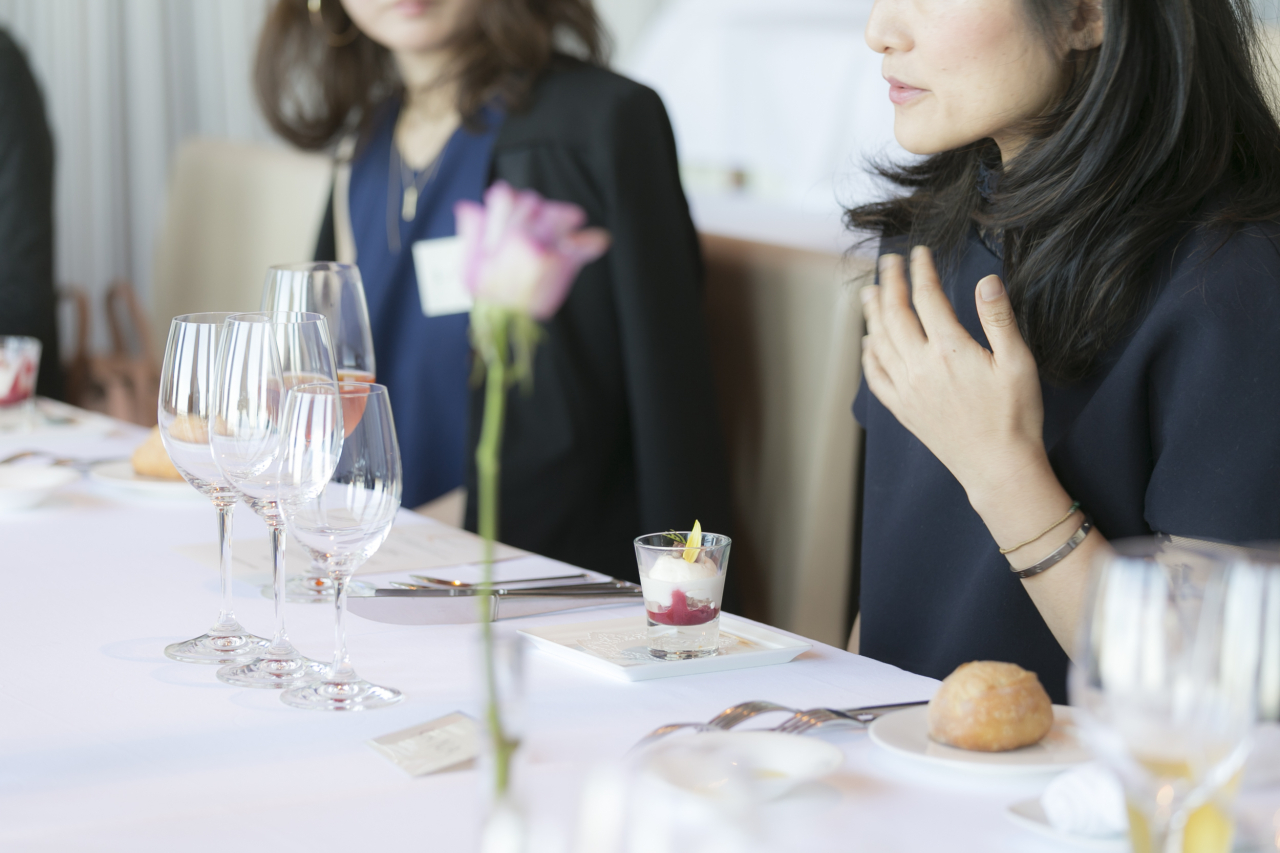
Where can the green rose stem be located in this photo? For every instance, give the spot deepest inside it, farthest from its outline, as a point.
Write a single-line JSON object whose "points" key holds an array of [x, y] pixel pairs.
{"points": [[491, 337]]}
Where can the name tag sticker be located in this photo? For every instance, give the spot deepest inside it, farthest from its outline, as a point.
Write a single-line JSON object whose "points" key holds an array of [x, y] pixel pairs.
{"points": [[438, 264], [432, 746]]}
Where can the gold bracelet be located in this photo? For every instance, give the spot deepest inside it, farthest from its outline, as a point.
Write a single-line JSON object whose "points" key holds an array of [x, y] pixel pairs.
{"points": [[1075, 506]]}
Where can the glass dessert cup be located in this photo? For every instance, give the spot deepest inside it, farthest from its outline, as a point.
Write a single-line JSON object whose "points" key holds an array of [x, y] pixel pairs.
{"points": [[19, 366], [683, 587]]}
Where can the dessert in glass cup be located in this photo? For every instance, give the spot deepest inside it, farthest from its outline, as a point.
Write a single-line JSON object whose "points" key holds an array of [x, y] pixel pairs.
{"points": [[682, 576]]}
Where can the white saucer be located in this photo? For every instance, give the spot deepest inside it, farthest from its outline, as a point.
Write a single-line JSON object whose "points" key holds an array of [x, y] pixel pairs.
{"points": [[907, 733], [778, 762], [1029, 814], [121, 476]]}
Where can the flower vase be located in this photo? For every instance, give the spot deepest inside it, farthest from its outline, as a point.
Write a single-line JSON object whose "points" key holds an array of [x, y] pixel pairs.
{"points": [[505, 826]]}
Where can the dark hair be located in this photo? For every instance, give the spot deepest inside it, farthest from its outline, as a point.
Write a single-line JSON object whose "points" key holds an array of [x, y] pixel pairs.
{"points": [[1165, 115], [314, 76]]}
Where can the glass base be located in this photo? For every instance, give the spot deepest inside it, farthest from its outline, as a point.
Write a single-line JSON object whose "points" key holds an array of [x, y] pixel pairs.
{"points": [[683, 654], [357, 695], [314, 589], [273, 673], [235, 645]]}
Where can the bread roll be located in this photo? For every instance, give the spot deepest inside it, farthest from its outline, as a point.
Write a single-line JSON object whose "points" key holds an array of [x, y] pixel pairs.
{"points": [[152, 460], [990, 706]]}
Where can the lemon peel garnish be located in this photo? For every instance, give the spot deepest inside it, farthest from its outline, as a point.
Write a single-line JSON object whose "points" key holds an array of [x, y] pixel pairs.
{"points": [[693, 543]]}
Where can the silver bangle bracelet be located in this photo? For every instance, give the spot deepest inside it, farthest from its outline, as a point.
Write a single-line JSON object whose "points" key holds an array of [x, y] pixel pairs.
{"points": [[1059, 555]]}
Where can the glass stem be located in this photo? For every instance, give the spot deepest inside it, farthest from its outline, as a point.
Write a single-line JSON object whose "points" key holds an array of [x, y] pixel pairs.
{"points": [[342, 670], [279, 640], [227, 623]]}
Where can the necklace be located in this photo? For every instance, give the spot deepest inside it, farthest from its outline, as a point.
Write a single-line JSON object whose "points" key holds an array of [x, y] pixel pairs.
{"points": [[413, 183], [410, 184]]}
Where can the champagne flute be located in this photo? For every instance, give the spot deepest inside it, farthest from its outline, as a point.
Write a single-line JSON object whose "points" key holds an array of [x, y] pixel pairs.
{"points": [[187, 383], [336, 291], [261, 356], [348, 521], [1165, 683]]}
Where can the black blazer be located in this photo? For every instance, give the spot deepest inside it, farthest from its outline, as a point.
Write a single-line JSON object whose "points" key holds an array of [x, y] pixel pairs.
{"points": [[620, 434], [28, 305]]}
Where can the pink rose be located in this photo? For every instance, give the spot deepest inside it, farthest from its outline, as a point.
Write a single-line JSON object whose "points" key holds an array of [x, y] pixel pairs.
{"points": [[523, 252]]}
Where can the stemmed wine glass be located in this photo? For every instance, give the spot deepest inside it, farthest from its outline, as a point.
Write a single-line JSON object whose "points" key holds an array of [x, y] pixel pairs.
{"points": [[187, 384], [1165, 681], [336, 291], [348, 521], [261, 356]]}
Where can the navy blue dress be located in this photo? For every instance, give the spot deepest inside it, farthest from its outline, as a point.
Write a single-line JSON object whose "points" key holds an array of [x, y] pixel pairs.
{"points": [[1175, 433], [425, 362]]}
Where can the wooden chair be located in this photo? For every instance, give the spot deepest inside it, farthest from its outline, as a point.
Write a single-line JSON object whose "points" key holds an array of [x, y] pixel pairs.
{"points": [[233, 209], [786, 335]]}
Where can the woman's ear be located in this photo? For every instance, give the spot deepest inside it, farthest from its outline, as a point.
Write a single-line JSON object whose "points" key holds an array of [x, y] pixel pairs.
{"points": [[1086, 26]]}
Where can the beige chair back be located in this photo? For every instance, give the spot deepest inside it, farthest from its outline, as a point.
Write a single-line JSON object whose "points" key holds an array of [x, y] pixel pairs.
{"points": [[233, 210], [786, 332]]}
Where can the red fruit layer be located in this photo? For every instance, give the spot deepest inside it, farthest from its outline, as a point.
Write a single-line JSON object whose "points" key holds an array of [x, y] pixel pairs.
{"points": [[680, 613]]}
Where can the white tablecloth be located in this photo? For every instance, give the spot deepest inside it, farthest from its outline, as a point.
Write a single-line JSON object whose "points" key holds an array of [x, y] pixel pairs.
{"points": [[105, 744]]}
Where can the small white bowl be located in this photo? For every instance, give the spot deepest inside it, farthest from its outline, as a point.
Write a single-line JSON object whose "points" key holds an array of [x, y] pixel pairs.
{"points": [[719, 764], [24, 486]]}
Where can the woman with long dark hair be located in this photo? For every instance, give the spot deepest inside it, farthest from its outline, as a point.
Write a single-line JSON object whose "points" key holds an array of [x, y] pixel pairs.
{"points": [[435, 100], [1089, 348]]}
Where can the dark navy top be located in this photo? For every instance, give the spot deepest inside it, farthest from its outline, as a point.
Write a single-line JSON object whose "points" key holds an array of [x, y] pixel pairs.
{"points": [[425, 362], [1177, 432]]}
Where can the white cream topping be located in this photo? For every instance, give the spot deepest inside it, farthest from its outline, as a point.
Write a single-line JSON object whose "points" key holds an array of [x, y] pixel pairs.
{"points": [[698, 580]]}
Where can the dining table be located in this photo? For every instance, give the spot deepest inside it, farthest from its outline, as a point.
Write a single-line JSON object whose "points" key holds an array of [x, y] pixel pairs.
{"points": [[106, 744]]}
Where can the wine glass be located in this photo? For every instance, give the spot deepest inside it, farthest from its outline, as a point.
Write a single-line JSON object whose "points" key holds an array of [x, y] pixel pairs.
{"points": [[348, 521], [336, 291], [261, 356], [1165, 681], [187, 382]]}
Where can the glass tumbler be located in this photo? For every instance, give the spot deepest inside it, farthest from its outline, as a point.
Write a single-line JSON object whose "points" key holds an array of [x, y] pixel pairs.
{"points": [[683, 587]]}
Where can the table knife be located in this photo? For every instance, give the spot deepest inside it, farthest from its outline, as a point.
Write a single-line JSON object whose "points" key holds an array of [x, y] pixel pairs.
{"points": [[459, 606]]}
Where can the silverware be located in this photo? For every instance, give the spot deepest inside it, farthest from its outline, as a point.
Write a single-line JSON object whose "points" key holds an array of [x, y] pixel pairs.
{"points": [[464, 585], [459, 607], [82, 465], [403, 589], [798, 722]]}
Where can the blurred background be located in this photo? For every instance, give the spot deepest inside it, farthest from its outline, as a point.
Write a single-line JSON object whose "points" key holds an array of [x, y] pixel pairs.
{"points": [[172, 196]]}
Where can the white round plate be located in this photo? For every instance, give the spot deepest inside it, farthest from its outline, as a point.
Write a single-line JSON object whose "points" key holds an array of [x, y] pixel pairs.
{"points": [[24, 486], [780, 762], [120, 475], [907, 733], [1029, 814]]}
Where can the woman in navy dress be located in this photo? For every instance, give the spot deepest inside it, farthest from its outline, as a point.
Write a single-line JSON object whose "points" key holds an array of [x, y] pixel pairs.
{"points": [[437, 100], [1091, 350]]}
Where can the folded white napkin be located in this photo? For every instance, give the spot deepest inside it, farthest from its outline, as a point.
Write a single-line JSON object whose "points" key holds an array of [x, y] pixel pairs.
{"points": [[1087, 800]]}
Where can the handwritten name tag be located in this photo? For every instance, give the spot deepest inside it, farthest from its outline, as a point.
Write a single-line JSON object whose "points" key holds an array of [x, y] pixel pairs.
{"points": [[432, 746], [438, 264]]}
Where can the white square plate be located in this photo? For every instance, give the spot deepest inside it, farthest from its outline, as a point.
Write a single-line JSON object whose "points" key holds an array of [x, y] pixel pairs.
{"points": [[619, 648]]}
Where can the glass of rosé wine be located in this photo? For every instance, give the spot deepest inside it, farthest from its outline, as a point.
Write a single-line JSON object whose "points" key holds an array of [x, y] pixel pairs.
{"points": [[335, 291], [682, 576]]}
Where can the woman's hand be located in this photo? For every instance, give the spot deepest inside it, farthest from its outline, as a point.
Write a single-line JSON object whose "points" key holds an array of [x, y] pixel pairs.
{"points": [[979, 411]]}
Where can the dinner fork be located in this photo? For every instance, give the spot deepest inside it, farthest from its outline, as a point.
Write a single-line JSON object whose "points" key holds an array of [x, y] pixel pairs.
{"points": [[802, 721]]}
